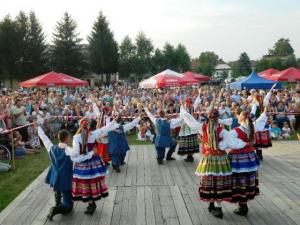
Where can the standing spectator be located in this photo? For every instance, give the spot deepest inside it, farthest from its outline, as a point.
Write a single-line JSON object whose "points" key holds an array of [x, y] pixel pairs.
{"points": [[19, 118]]}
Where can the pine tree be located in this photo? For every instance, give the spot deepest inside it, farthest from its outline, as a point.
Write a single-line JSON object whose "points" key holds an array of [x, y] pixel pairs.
{"points": [[37, 59], [158, 61], [8, 54], [144, 52], [66, 53], [169, 53], [127, 58], [103, 49], [21, 45], [244, 65], [183, 59]]}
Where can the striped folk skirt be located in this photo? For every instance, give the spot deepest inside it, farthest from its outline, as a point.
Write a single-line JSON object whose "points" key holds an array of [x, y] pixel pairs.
{"points": [[89, 180], [244, 162], [244, 176], [103, 152], [244, 187], [188, 144], [215, 178]]}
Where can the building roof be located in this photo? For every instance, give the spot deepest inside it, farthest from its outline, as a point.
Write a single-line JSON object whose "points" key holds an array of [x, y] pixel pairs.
{"points": [[222, 66]]}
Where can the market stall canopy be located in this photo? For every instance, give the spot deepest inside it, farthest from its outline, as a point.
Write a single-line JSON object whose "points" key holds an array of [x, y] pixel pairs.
{"points": [[167, 78], [53, 79], [268, 73], [253, 81], [196, 76], [291, 74]]}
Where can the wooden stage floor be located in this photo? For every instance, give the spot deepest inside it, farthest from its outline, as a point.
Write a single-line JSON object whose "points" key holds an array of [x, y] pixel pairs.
{"points": [[145, 193]]}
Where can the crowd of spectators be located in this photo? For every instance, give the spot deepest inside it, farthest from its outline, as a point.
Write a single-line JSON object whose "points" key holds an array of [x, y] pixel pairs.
{"points": [[58, 108]]}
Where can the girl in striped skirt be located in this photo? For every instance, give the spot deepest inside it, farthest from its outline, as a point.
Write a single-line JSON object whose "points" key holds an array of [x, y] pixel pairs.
{"points": [[244, 164], [88, 177], [214, 169]]}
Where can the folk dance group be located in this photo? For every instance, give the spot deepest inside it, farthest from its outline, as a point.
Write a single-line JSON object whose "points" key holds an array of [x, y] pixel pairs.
{"points": [[228, 169], [229, 166], [78, 173]]}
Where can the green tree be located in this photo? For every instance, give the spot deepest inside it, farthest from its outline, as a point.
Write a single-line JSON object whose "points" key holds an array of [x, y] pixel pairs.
{"points": [[170, 56], [144, 52], [158, 61], [102, 48], [289, 61], [36, 49], [66, 53], [127, 57], [207, 62], [276, 63], [183, 59], [282, 48], [244, 65], [8, 54], [21, 45], [263, 64]]}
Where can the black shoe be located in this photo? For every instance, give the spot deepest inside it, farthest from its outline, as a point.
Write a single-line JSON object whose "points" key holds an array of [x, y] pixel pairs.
{"points": [[217, 212], [170, 158], [123, 163], [189, 158], [116, 168], [90, 209], [211, 207], [54, 211], [242, 210], [159, 161]]}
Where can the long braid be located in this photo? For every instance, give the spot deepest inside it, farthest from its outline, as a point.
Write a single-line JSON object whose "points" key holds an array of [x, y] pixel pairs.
{"points": [[251, 130], [212, 134]]}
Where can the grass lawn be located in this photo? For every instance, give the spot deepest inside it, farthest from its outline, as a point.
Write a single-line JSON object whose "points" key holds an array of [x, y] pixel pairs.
{"points": [[132, 140], [27, 169]]}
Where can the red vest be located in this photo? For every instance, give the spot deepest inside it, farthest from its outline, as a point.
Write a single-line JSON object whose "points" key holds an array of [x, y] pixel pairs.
{"points": [[206, 149], [243, 136]]}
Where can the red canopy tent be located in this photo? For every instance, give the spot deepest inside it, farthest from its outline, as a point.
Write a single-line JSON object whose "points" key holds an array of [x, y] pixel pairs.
{"points": [[291, 74], [196, 76], [53, 79], [167, 78], [268, 73]]}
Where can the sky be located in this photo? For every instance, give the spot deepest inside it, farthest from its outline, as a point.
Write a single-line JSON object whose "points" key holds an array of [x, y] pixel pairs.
{"points": [[227, 27]]}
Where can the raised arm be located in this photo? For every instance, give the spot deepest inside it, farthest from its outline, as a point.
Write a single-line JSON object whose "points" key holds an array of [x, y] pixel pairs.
{"points": [[102, 132], [253, 109], [127, 127], [260, 123], [190, 120], [151, 117], [48, 144], [197, 102], [96, 109], [268, 96]]}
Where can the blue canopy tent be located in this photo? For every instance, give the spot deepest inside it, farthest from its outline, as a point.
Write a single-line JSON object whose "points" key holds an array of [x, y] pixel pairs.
{"points": [[254, 81]]}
